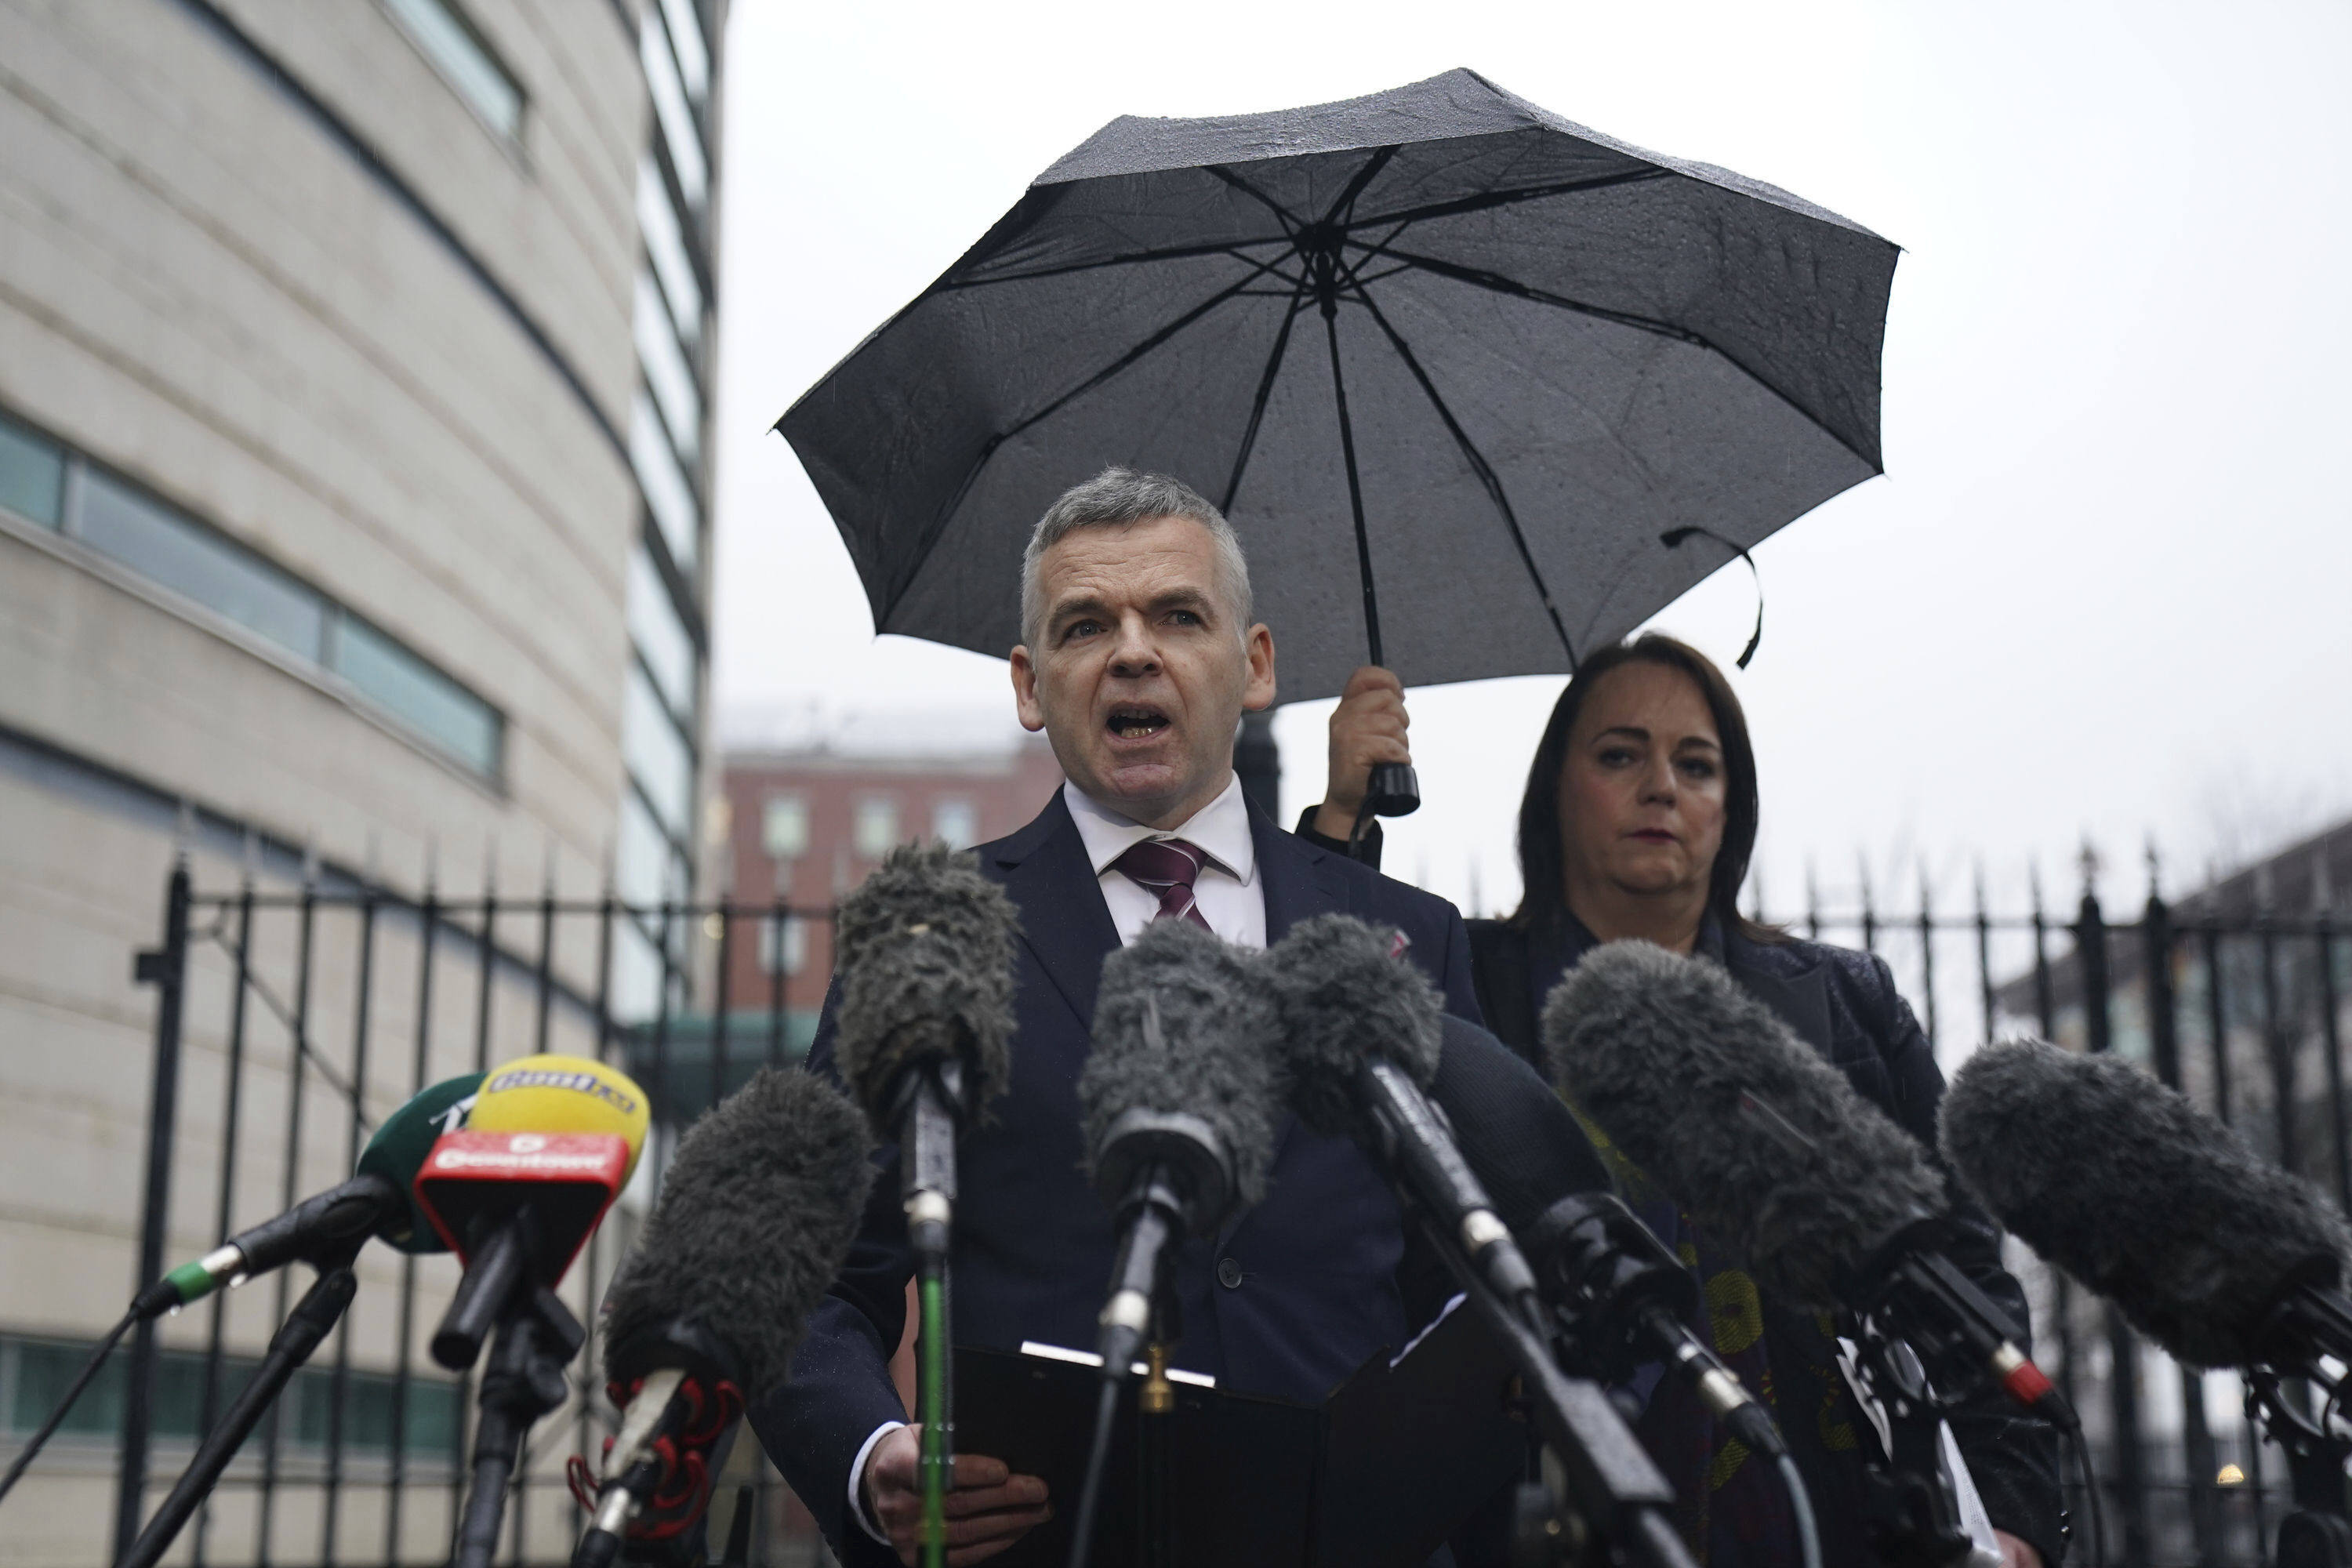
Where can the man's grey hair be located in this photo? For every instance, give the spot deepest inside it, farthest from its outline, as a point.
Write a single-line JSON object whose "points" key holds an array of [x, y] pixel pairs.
{"points": [[1113, 499]]}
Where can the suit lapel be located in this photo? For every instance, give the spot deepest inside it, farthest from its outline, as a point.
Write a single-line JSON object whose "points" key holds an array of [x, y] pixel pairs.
{"points": [[1801, 1000], [1062, 917], [1298, 883]]}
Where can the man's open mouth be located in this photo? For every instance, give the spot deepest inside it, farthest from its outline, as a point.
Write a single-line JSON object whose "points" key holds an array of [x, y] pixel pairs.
{"points": [[1134, 723]]}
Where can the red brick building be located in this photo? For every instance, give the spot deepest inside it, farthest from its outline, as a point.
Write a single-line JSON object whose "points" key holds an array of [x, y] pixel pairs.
{"points": [[807, 820]]}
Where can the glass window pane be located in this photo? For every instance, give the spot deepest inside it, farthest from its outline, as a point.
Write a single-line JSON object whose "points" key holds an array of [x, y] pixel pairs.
{"points": [[678, 134], [157, 542], [666, 245], [414, 691], [783, 943], [43, 1372], [785, 826], [668, 495], [32, 473], [693, 54], [660, 635], [641, 858], [666, 371], [876, 828], [955, 821], [453, 46], [657, 756]]}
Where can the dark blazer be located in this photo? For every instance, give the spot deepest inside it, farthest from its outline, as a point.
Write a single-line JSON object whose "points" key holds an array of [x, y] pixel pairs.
{"points": [[1291, 1298], [1845, 1005]]}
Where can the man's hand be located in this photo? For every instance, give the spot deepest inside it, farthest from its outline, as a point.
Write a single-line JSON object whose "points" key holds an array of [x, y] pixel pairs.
{"points": [[988, 1509], [2015, 1554], [1367, 727]]}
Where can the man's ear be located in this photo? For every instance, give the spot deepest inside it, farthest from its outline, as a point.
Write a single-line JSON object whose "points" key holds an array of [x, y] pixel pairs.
{"points": [[1024, 691], [1258, 693]]}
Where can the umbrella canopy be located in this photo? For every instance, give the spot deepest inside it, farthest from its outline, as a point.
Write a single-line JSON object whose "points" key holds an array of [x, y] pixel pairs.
{"points": [[1437, 339]]}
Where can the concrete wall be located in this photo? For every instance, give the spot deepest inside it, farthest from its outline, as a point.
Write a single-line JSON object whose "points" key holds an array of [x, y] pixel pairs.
{"points": [[207, 292]]}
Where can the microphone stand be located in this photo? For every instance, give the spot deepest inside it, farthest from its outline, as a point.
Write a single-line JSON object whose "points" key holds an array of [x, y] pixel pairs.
{"points": [[537, 1338], [1614, 1487], [931, 1105], [311, 1320], [2307, 1324]]}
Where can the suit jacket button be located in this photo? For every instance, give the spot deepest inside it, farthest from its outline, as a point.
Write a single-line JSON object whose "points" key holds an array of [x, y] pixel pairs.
{"points": [[1229, 1273]]}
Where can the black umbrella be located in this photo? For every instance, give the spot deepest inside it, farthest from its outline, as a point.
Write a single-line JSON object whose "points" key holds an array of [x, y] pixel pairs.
{"points": [[1438, 336]]}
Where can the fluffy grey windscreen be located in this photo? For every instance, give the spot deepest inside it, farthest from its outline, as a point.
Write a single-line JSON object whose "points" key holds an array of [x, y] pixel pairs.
{"points": [[752, 1223], [1345, 997], [1218, 1055], [924, 961], [1708, 1092], [2139, 1195]]}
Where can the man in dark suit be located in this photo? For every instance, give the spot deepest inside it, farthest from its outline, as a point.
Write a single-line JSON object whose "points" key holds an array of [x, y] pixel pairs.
{"points": [[1137, 660]]}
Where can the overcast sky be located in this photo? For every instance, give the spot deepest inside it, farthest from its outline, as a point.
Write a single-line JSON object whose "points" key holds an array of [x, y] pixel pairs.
{"points": [[2105, 585]]}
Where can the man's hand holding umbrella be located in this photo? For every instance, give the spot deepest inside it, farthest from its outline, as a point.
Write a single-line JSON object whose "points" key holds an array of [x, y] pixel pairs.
{"points": [[1368, 727]]}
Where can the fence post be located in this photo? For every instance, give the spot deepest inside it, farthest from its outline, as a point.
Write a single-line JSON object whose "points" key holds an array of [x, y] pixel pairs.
{"points": [[2199, 1461], [166, 969], [2130, 1459]]}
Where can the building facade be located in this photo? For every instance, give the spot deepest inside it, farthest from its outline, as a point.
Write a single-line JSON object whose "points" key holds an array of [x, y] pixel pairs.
{"points": [[807, 821], [355, 368]]}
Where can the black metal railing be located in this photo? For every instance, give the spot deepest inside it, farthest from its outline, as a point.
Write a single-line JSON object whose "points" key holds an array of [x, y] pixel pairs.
{"points": [[289, 1021], [336, 1001]]}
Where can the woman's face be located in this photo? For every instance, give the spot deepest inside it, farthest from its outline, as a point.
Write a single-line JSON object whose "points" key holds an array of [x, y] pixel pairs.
{"points": [[1641, 790]]}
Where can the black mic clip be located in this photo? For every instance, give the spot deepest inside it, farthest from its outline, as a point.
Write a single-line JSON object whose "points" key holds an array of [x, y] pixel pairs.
{"points": [[927, 1105]]}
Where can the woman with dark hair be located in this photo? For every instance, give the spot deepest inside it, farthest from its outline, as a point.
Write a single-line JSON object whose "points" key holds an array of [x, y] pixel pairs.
{"points": [[1639, 816]]}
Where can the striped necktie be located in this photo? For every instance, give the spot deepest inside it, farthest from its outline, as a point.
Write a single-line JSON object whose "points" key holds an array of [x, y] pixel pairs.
{"points": [[1166, 867]]}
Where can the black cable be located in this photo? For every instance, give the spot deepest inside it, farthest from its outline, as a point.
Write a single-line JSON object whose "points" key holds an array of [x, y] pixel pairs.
{"points": [[2082, 1447], [1097, 1458], [90, 1370], [1800, 1506]]}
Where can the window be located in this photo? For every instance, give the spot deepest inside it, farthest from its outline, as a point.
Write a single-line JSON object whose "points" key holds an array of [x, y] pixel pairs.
{"points": [[660, 637], [657, 756], [877, 825], [465, 61], [955, 822], [642, 859], [665, 248], [668, 495], [679, 132], [188, 558], [157, 540], [35, 1373], [32, 474], [785, 826], [666, 371], [783, 944], [422, 697], [693, 54]]}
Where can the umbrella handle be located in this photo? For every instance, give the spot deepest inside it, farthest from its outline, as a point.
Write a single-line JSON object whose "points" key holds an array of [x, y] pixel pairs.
{"points": [[1393, 790]]}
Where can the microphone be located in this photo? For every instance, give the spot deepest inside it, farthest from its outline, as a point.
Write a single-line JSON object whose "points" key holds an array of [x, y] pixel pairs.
{"points": [[926, 948], [1365, 1042], [550, 1144], [374, 1201], [924, 962], [1179, 1097], [755, 1217], [2217, 1255], [1766, 1144]]}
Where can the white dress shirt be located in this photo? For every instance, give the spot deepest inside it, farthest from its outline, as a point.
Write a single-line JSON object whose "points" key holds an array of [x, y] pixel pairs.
{"points": [[1227, 892]]}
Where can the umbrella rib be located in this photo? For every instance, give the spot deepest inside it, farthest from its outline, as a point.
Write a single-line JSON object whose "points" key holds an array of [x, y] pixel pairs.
{"points": [[1498, 283], [1347, 200], [1129, 258], [988, 448], [1289, 220], [1486, 199], [1478, 465], [1264, 390]]}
